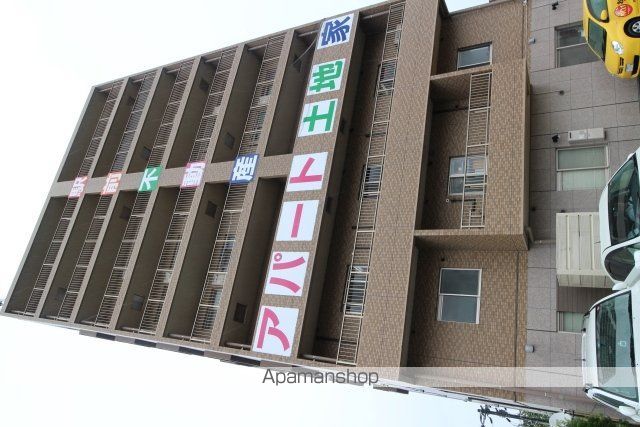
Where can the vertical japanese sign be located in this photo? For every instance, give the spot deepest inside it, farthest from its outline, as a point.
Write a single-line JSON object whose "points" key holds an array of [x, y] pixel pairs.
{"points": [[288, 270], [275, 330]]}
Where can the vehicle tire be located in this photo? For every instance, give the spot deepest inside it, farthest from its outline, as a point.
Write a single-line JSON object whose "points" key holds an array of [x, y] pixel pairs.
{"points": [[632, 27]]}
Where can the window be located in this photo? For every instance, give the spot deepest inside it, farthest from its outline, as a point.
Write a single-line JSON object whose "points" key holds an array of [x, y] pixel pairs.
{"points": [[239, 314], [582, 168], [459, 295], [474, 56], [571, 47], [476, 168], [211, 209], [570, 322]]}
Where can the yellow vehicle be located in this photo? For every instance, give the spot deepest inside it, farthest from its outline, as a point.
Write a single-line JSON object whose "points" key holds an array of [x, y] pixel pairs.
{"points": [[612, 31]]}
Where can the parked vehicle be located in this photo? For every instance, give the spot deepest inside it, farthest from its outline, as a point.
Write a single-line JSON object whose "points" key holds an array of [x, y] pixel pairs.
{"points": [[609, 356], [620, 224], [612, 31]]}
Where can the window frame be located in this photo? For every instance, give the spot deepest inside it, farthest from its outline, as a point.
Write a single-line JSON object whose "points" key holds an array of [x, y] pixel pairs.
{"points": [[557, 46], [455, 175], [462, 175], [559, 171], [477, 297], [479, 64], [560, 318]]}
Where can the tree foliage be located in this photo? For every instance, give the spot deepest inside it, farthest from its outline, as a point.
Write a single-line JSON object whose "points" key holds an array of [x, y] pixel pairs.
{"points": [[534, 419], [596, 421]]}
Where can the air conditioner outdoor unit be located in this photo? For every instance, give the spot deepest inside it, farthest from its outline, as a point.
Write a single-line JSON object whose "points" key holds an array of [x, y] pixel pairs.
{"points": [[585, 135]]}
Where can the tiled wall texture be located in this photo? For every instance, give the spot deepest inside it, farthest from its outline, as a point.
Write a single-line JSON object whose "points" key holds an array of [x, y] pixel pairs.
{"points": [[563, 99]]}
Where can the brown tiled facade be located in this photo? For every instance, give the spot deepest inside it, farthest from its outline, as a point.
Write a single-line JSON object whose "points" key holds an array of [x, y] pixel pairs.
{"points": [[257, 94]]}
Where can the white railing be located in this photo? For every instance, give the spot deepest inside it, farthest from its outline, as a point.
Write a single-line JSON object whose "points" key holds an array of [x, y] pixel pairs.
{"points": [[356, 287]]}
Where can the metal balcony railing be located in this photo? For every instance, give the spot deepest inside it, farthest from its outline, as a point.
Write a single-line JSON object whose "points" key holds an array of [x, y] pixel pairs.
{"points": [[62, 229], [209, 303], [141, 203], [356, 286], [175, 234], [134, 123], [476, 150]]}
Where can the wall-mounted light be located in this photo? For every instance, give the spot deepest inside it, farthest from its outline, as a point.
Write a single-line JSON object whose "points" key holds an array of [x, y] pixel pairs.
{"points": [[554, 6], [555, 138]]}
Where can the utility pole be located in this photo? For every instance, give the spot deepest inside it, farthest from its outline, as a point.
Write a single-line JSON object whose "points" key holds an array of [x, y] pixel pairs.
{"points": [[486, 411]]}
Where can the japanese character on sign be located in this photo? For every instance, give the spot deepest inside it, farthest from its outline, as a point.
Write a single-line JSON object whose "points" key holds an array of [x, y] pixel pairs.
{"points": [[307, 172], [78, 187], [244, 169], [297, 221], [326, 77], [150, 179], [275, 330], [111, 184], [193, 174], [318, 118], [287, 271], [335, 31]]}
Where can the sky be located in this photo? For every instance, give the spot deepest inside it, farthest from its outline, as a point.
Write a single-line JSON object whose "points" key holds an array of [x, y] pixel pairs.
{"points": [[52, 53]]}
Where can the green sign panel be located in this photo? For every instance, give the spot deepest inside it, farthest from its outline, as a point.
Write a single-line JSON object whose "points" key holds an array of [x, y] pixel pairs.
{"points": [[150, 179]]}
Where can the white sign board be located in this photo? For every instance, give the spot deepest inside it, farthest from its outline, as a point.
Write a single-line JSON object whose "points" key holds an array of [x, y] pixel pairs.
{"points": [[287, 271], [307, 172], [297, 221], [335, 31], [193, 174], [275, 330]]}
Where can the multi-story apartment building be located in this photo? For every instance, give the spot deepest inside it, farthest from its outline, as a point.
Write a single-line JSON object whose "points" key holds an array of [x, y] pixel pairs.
{"points": [[570, 92], [360, 191]]}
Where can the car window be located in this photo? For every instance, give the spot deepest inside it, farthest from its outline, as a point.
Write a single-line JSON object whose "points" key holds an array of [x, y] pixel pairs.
{"points": [[597, 39], [596, 7], [624, 204], [620, 262], [615, 353]]}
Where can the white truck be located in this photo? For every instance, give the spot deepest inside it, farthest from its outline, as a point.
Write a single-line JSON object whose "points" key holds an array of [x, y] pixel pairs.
{"points": [[609, 354], [619, 210], [610, 327]]}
